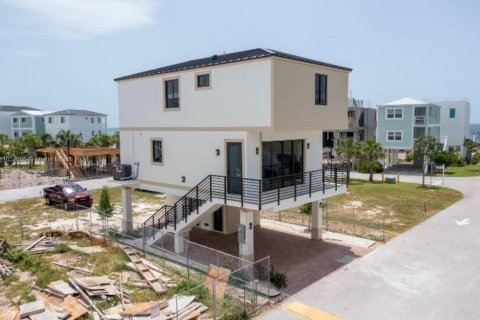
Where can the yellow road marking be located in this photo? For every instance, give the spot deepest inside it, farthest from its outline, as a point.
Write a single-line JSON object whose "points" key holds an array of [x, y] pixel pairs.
{"points": [[309, 313]]}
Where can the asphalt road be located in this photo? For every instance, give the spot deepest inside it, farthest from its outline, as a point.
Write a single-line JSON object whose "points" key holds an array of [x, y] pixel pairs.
{"points": [[429, 272]]}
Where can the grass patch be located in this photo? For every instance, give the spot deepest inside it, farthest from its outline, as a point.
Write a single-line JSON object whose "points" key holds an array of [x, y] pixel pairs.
{"points": [[470, 170], [112, 260]]}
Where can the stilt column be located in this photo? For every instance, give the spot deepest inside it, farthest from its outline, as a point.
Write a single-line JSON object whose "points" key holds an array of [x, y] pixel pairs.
{"points": [[246, 244], [127, 224], [179, 241], [316, 220]]}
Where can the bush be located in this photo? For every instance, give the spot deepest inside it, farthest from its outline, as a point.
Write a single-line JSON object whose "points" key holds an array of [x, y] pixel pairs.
{"points": [[278, 279], [194, 288], [61, 248], [460, 162], [233, 310], [476, 158], [409, 157], [364, 167]]}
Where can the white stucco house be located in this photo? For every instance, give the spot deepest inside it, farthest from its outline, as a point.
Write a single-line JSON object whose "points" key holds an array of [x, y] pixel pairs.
{"points": [[455, 123], [5, 121], [228, 135], [82, 122]]}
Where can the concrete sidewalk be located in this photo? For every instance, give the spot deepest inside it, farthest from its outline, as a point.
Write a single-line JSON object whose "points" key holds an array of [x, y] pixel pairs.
{"points": [[428, 272], [37, 191]]}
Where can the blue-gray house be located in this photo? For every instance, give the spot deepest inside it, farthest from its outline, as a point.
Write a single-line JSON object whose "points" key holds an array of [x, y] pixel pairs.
{"points": [[27, 121]]}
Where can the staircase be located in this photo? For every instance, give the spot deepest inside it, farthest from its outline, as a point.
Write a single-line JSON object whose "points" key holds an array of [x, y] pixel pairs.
{"points": [[255, 194], [63, 158]]}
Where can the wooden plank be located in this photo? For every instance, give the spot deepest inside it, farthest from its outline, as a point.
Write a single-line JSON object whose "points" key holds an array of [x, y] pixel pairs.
{"points": [[219, 276], [34, 244], [61, 287], [32, 308], [10, 313], [84, 271], [85, 296], [74, 307]]}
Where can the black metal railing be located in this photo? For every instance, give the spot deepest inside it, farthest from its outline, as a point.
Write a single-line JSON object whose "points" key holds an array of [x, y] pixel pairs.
{"points": [[241, 191]]}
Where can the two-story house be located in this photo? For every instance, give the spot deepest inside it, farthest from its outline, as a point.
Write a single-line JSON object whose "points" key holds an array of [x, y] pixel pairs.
{"points": [[455, 123], [362, 121], [27, 121], [228, 135], [5, 121], [85, 123], [401, 122]]}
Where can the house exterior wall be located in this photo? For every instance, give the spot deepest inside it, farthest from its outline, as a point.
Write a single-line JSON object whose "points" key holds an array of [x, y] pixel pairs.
{"points": [[77, 124], [39, 125], [405, 125], [239, 97], [294, 97], [5, 123], [457, 128], [33, 124]]}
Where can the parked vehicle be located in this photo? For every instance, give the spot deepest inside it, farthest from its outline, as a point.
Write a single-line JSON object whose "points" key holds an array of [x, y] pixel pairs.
{"points": [[70, 195]]}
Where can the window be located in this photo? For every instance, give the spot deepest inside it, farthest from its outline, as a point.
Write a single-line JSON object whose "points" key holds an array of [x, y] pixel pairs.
{"points": [[43, 120], [203, 80], [15, 120], [452, 113], [24, 120], [15, 134], [50, 120], [99, 120], [157, 152], [282, 163], [394, 135], [62, 119], [321, 89], [93, 133], [171, 94], [91, 120], [395, 113]]}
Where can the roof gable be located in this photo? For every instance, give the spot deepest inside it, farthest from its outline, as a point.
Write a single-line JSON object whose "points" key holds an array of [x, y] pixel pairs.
{"points": [[407, 101]]}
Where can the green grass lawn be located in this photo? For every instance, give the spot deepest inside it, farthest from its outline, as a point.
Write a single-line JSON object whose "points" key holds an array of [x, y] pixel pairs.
{"points": [[403, 205], [470, 170]]}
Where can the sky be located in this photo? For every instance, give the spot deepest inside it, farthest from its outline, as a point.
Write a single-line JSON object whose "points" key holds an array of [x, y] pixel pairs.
{"points": [[58, 54]]}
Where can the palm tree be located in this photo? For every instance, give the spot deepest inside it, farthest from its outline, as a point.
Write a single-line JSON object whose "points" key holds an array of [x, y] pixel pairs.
{"points": [[350, 149], [47, 140], [31, 142], [68, 139], [424, 147], [100, 140], [371, 150]]}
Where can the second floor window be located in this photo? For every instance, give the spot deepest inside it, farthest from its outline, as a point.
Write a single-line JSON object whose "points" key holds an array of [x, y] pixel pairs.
{"points": [[321, 89], [171, 94], [203, 80], [99, 120], [91, 120], [395, 113], [15, 120], [50, 120], [62, 119], [24, 120], [157, 152], [452, 113]]}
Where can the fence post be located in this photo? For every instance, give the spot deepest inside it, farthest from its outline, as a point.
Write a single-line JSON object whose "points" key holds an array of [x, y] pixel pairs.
{"points": [[214, 302], [198, 200]]}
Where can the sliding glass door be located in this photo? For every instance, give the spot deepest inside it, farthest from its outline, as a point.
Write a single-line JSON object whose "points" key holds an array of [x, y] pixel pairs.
{"points": [[282, 163]]}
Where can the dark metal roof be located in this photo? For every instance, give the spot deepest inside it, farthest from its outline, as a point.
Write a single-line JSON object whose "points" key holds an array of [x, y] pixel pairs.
{"points": [[16, 108], [228, 58], [73, 112]]}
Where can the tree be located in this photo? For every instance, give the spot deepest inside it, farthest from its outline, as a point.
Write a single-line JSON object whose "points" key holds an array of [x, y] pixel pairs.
{"points": [[16, 149], [105, 207], [350, 149], [68, 139], [115, 139], [446, 158], [424, 147], [469, 146], [47, 140], [100, 140], [31, 142], [306, 209], [371, 150], [4, 139]]}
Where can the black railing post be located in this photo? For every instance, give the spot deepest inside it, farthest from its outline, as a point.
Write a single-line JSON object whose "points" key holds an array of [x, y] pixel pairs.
{"points": [[210, 188], [348, 174], [225, 190], [175, 216], [241, 191], [260, 194], [323, 179], [294, 188], [166, 218], [278, 190], [336, 173], [198, 200], [185, 211], [310, 184]]}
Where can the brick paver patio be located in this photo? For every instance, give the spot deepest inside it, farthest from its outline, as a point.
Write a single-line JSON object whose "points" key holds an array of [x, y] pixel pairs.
{"points": [[305, 261]]}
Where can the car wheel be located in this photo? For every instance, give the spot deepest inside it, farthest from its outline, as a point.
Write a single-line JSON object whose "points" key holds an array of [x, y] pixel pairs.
{"points": [[48, 201]]}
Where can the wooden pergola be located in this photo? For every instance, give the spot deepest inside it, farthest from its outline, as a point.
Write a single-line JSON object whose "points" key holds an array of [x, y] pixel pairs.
{"points": [[81, 162]]}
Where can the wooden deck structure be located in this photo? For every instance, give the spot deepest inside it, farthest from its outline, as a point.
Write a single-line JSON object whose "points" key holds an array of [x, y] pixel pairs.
{"points": [[80, 162]]}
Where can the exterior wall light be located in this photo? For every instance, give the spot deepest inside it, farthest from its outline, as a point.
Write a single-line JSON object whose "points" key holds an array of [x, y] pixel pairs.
{"points": [[217, 152], [308, 145], [257, 150]]}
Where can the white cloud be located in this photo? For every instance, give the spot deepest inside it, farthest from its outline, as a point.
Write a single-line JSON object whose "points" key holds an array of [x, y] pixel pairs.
{"points": [[86, 19], [29, 53]]}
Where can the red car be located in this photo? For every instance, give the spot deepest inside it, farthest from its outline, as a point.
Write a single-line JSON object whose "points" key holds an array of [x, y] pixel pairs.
{"points": [[70, 195]]}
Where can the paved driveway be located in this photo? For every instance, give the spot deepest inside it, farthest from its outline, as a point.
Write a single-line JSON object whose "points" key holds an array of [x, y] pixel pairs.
{"points": [[430, 272]]}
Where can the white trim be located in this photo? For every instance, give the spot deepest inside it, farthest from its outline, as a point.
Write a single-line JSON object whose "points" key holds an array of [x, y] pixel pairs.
{"points": [[395, 131], [394, 118]]}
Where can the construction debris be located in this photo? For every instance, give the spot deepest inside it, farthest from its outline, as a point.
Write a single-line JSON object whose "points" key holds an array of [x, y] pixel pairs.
{"points": [[144, 270], [3, 245], [80, 270], [219, 276], [32, 308], [179, 307], [87, 250], [6, 268], [39, 246], [62, 288], [10, 313]]}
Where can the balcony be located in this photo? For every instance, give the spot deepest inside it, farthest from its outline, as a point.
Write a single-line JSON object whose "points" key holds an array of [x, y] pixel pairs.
{"points": [[420, 120]]}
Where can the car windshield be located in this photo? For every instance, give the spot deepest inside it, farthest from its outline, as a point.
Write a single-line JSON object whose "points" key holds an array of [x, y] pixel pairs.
{"points": [[72, 189]]}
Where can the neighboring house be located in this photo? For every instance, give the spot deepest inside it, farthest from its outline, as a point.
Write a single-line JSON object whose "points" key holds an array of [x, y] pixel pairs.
{"points": [[27, 121], [455, 123], [5, 121], [362, 121], [401, 121], [82, 122], [244, 127]]}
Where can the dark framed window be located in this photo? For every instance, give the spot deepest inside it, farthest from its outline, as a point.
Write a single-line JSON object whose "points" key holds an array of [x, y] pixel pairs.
{"points": [[157, 151], [171, 94], [321, 89], [15, 120], [394, 135], [24, 120], [395, 113], [282, 163], [452, 113], [203, 80]]}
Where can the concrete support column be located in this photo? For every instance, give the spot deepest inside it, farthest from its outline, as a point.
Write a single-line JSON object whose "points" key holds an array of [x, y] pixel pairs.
{"points": [[246, 246], [127, 224], [179, 241], [316, 232]]}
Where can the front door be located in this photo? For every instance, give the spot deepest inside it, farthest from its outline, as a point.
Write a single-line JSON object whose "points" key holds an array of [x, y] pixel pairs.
{"points": [[234, 167], [218, 220]]}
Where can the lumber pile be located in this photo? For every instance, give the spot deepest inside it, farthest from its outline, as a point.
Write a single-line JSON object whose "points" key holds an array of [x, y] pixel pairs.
{"points": [[179, 307], [39, 246], [6, 268], [10, 313]]}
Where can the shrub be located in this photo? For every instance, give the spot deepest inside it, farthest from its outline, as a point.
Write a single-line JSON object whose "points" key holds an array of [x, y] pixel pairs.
{"points": [[61, 248], [233, 310], [194, 288], [460, 162], [364, 167], [105, 207], [409, 157], [278, 279], [476, 158], [446, 158]]}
